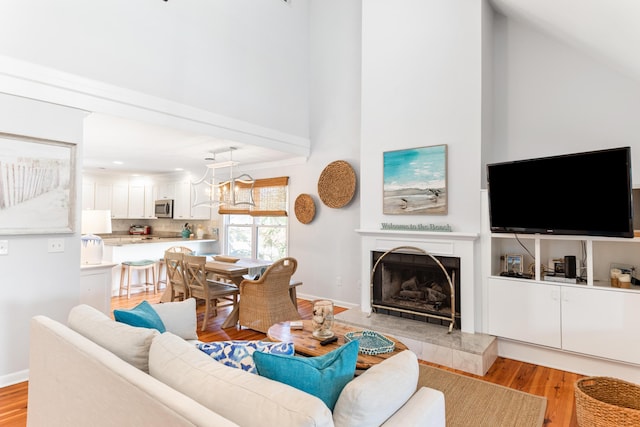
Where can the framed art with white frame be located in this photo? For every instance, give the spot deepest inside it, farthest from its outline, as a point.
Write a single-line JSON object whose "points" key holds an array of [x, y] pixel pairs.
{"points": [[37, 185]]}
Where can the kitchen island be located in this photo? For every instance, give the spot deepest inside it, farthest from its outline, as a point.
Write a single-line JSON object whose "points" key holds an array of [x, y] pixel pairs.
{"points": [[138, 247]]}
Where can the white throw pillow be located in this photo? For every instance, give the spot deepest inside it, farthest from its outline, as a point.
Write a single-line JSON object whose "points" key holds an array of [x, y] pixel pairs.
{"points": [[179, 317], [244, 398], [376, 394], [129, 343]]}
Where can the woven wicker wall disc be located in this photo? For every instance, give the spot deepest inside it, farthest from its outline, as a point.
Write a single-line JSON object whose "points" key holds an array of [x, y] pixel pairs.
{"points": [[337, 184], [304, 208]]}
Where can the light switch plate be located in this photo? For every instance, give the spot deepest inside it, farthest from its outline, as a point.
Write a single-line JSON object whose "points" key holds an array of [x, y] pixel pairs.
{"points": [[4, 247]]}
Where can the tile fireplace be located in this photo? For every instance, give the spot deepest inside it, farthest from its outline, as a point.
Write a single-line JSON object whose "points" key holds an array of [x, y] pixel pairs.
{"points": [[462, 348]]}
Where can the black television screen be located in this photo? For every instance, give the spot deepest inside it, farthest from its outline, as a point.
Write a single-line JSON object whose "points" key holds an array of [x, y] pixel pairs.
{"points": [[582, 193]]}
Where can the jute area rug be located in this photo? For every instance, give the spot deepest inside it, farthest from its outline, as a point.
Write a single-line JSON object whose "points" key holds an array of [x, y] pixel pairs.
{"points": [[472, 402]]}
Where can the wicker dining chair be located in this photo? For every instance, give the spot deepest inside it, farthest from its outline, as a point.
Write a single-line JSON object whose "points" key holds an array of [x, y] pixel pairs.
{"points": [[174, 262], [215, 294], [266, 301]]}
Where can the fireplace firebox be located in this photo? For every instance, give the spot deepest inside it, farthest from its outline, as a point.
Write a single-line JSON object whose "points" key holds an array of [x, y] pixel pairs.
{"points": [[415, 286]]}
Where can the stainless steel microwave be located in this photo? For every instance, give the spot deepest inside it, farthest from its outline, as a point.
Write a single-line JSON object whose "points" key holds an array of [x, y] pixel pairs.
{"points": [[164, 208]]}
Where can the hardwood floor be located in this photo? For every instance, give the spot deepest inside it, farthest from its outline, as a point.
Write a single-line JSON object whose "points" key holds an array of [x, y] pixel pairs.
{"points": [[557, 386]]}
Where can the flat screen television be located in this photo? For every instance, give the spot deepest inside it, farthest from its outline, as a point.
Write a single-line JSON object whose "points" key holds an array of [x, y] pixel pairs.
{"points": [[585, 193]]}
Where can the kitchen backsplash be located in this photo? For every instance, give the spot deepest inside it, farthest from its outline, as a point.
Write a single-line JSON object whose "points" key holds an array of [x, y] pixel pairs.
{"points": [[165, 227]]}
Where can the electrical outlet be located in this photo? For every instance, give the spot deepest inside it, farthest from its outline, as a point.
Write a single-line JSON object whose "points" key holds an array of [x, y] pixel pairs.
{"points": [[55, 245], [338, 281], [4, 247]]}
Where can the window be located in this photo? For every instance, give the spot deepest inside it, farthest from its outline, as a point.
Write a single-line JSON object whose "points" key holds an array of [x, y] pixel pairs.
{"points": [[259, 231], [262, 237]]}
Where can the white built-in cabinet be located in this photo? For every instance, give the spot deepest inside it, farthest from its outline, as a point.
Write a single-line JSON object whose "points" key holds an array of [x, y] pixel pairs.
{"points": [[589, 318], [586, 318]]}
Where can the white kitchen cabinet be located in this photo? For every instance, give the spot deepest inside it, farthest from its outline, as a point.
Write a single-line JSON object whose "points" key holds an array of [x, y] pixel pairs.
{"points": [[199, 194], [166, 190], [185, 196], [120, 201], [524, 311], [136, 201], [182, 201], [149, 201], [103, 195]]}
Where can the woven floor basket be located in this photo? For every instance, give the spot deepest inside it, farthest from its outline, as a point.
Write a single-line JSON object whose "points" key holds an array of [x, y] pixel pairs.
{"points": [[607, 402]]}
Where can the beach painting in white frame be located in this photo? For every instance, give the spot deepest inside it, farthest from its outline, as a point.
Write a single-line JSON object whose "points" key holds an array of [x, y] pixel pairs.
{"points": [[415, 181], [37, 185]]}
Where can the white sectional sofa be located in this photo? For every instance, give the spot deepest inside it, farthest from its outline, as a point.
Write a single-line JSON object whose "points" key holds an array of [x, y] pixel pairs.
{"points": [[100, 372]]}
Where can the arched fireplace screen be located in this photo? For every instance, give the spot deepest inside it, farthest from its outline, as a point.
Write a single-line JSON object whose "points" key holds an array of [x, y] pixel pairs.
{"points": [[409, 291]]}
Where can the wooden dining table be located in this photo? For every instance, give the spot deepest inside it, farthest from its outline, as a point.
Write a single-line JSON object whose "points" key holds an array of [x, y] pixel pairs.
{"points": [[235, 271], [230, 271]]}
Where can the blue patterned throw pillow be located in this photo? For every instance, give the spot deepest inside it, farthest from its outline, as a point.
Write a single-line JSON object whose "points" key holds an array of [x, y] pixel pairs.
{"points": [[239, 353]]}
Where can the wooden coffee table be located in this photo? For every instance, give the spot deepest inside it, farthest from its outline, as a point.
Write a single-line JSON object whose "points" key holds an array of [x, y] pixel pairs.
{"points": [[306, 345]]}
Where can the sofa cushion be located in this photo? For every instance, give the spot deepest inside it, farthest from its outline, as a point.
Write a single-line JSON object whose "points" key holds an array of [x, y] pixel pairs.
{"points": [[239, 396], [239, 354], [142, 315], [323, 376], [127, 342], [378, 392], [179, 317]]}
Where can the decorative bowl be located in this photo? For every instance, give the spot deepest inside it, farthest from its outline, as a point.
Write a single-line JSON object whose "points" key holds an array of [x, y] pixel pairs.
{"points": [[371, 342]]}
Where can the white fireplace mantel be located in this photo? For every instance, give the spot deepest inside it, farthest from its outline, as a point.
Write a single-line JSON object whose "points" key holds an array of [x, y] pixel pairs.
{"points": [[455, 244]]}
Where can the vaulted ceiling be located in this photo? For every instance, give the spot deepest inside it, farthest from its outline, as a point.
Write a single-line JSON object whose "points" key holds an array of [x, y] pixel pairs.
{"points": [[607, 29]]}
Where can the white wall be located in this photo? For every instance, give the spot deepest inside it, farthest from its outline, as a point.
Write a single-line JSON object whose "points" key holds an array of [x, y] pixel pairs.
{"points": [[238, 58], [328, 247], [421, 86], [34, 281], [551, 98]]}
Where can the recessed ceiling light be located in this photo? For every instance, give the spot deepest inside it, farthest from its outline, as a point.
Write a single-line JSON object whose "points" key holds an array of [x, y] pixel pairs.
{"points": [[178, 169], [117, 162]]}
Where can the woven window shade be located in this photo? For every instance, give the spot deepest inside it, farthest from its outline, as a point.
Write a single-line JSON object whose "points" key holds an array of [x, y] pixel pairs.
{"points": [[269, 195]]}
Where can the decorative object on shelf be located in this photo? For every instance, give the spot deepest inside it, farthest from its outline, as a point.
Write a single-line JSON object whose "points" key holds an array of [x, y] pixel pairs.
{"points": [[415, 181], [322, 319], [186, 231], [235, 191], [408, 249], [93, 221], [305, 208], [514, 263], [371, 342], [416, 227], [200, 231], [337, 184], [37, 176]]}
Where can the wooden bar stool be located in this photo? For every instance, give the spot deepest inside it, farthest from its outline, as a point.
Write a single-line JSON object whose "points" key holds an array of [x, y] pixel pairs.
{"points": [[145, 265]]}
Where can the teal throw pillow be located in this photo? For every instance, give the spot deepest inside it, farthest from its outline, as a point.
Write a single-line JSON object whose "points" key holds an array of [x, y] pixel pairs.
{"points": [[323, 376], [142, 315], [239, 353]]}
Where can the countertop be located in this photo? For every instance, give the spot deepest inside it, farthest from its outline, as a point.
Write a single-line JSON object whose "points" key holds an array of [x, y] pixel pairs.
{"points": [[142, 239]]}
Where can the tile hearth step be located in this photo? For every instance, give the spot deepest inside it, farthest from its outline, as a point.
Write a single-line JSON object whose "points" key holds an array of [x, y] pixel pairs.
{"points": [[473, 353]]}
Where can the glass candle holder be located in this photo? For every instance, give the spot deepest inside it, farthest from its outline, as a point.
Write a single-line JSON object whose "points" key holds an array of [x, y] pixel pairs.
{"points": [[322, 319]]}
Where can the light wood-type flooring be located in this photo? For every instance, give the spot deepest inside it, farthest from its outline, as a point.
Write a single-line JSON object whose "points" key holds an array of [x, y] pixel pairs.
{"points": [[557, 386]]}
